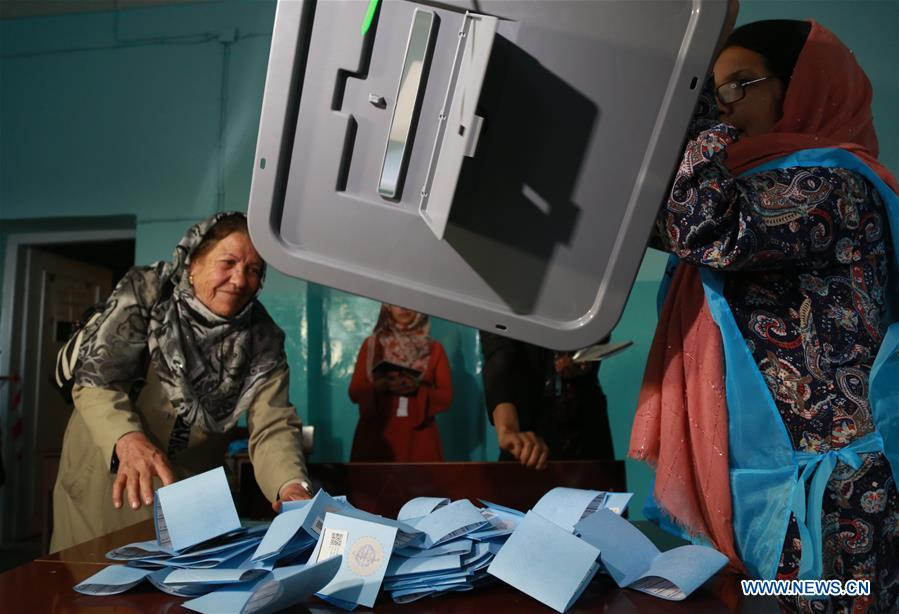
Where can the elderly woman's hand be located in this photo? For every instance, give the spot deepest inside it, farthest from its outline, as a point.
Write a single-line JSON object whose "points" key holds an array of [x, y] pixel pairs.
{"points": [[139, 462], [291, 492]]}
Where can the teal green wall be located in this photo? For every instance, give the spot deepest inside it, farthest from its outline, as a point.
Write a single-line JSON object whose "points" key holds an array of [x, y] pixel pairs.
{"points": [[152, 113]]}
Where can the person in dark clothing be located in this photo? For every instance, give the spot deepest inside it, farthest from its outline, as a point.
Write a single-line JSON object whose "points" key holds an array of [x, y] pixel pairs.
{"points": [[544, 406]]}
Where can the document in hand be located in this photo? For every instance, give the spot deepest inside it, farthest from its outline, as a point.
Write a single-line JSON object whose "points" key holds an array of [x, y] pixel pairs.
{"points": [[546, 562], [274, 591], [194, 510], [633, 561], [366, 548], [385, 367], [601, 351]]}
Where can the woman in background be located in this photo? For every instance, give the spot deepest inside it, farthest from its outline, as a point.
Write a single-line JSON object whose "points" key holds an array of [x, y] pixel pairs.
{"points": [[401, 381]]}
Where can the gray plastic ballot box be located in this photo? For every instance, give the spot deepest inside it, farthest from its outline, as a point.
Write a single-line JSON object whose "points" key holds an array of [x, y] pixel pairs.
{"points": [[498, 163]]}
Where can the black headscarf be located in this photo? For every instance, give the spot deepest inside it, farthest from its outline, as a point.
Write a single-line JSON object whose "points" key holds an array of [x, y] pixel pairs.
{"points": [[779, 41]]}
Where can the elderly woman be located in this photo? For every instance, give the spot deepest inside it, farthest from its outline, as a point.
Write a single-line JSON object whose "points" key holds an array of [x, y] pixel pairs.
{"points": [[770, 406], [181, 351]]}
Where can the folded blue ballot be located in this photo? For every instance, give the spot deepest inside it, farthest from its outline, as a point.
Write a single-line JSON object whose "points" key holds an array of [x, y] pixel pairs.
{"points": [[213, 556], [213, 576], [449, 522], [502, 521], [433, 586], [285, 527], [310, 517], [567, 506], [633, 561], [366, 548], [112, 580], [194, 510], [288, 506], [480, 554], [140, 550], [458, 546], [410, 595], [420, 506], [157, 579], [546, 562], [277, 589], [402, 566]]}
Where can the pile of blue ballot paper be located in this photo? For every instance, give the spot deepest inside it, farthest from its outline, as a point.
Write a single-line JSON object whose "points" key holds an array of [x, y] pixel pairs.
{"points": [[326, 547]]}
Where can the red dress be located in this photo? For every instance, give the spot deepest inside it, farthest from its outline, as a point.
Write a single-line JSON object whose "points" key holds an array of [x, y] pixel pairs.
{"points": [[383, 432]]}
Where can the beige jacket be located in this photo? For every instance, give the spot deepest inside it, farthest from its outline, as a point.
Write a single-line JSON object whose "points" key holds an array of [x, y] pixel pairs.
{"points": [[82, 498]]}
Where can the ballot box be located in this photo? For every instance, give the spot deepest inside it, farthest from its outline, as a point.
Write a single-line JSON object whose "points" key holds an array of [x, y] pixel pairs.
{"points": [[496, 163]]}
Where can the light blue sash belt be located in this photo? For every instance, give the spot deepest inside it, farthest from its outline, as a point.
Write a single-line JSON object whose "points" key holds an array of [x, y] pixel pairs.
{"points": [[816, 471]]}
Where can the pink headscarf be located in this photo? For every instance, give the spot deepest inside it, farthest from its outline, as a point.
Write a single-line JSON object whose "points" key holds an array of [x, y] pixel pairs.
{"points": [[681, 422]]}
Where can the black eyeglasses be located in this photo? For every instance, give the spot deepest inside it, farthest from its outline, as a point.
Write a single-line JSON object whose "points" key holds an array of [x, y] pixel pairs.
{"points": [[732, 91]]}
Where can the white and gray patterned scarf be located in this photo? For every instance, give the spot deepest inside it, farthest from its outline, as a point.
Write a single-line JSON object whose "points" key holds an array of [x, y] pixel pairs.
{"points": [[210, 367]]}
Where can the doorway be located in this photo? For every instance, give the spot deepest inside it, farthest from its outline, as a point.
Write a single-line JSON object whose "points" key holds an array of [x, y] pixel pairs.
{"points": [[55, 278]]}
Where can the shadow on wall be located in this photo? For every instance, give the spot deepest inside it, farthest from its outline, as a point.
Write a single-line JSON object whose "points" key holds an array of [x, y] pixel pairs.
{"points": [[462, 427]]}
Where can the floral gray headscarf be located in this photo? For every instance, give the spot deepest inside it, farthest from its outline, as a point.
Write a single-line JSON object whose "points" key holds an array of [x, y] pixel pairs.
{"points": [[210, 367]]}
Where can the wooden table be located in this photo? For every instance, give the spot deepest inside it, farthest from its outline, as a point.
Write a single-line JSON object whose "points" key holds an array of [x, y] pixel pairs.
{"points": [[45, 585]]}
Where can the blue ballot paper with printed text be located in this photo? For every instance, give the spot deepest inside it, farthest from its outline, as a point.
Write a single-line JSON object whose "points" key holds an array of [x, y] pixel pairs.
{"points": [[194, 510], [633, 561], [366, 548], [546, 562]]}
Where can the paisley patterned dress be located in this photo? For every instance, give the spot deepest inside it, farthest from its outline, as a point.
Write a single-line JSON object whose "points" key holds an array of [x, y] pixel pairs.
{"points": [[806, 255]]}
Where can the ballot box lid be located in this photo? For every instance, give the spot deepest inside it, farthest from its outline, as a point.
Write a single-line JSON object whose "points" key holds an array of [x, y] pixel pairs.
{"points": [[498, 163]]}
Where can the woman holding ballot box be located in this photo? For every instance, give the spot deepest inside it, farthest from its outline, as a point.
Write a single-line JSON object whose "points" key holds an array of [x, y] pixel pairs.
{"points": [[180, 351], [401, 381], [770, 406]]}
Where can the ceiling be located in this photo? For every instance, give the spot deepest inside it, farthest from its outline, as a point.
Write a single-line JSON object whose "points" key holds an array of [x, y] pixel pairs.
{"points": [[14, 9]]}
